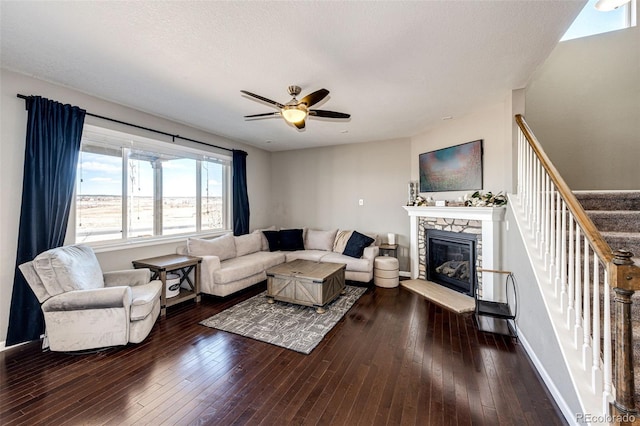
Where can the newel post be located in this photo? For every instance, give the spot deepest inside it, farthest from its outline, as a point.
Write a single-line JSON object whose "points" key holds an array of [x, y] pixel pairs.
{"points": [[625, 280]]}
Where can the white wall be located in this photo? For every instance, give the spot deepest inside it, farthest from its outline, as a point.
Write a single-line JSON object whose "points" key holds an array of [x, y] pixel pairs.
{"points": [[493, 124], [12, 143], [320, 188], [583, 105]]}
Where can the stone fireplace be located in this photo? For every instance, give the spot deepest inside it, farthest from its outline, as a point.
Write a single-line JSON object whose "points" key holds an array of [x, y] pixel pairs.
{"points": [[482, 224]]}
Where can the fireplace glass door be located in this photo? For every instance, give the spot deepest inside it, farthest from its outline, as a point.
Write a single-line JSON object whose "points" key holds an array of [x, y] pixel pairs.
{"points": [[451, 260]]}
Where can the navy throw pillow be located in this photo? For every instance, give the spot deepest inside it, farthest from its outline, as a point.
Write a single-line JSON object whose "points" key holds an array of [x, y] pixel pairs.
{"points": [[273, 238], [356, 245], [291, 240]]}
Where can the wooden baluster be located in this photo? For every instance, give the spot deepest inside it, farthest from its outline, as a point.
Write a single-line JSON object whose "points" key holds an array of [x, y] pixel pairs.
{"points": [[552, 234], [558, 244], [519, 185], [607, 395], [544, 245], [571, 270], [596, 373], [563, 258], [577, 339], [586, 307], [536, 215]]}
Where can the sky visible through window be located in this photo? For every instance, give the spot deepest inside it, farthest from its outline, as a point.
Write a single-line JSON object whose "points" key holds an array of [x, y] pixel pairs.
{"points": [[102, 175], [591, 21]]}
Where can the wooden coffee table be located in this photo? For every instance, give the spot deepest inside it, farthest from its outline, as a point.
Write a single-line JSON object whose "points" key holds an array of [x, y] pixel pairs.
{"points": [[306, 282]]}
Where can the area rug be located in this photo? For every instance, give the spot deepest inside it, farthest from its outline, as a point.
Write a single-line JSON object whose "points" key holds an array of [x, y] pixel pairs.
{"points": [[291, 326]]}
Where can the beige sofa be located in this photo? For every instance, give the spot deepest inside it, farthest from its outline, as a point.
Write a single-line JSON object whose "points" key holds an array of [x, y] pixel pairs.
{"points": [[230, 263]]}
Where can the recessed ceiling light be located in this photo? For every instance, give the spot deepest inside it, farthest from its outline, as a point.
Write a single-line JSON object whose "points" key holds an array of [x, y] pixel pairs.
{"points": [[448, 117]]}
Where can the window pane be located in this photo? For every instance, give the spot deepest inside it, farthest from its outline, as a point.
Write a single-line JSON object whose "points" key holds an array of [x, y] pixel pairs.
{"points": [[140, 204], [593, 21], [98, 197], [178, 196], [212, 208]]}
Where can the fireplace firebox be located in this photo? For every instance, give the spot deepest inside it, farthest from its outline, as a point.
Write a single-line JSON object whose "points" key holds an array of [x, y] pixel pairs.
{"points": [[451, 260]]}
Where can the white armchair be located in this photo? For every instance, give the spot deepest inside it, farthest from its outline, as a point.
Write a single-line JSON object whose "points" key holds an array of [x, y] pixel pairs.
{"points": [[85, 308]]}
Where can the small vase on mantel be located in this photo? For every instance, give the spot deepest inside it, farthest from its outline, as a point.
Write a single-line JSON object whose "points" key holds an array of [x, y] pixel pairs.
{"points": [[413, 192]]}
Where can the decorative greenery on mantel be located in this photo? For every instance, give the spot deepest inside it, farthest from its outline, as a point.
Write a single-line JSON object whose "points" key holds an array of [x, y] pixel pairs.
{"points": [[477, 199]]}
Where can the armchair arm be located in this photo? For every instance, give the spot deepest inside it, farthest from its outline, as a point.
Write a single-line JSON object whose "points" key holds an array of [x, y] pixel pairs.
{"points": [[127, 277], [97, 298], [371, 252]]}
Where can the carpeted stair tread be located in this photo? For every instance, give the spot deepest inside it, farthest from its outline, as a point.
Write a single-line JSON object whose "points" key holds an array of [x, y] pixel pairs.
{"points": [[623, 240], [609, 200], [616, 220]]}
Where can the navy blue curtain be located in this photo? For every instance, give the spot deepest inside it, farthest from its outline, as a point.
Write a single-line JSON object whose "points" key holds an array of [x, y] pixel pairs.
{"points": [[240, 195], [54, 132]]}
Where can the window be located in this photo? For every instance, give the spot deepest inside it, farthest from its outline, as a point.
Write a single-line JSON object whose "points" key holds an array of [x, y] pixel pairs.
{"points": [[592, 21], [136, 189]]}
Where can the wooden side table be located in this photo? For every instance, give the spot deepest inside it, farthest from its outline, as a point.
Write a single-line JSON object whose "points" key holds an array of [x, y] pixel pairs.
{"points": [[388, 250], [183, 264]]}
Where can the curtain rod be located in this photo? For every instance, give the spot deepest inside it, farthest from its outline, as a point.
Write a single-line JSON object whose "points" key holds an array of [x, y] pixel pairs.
{"points": [[174, 137]]}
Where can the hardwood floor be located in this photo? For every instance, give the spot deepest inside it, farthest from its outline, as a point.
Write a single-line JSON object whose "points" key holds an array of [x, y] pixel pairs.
{"points": [[393, 359]]}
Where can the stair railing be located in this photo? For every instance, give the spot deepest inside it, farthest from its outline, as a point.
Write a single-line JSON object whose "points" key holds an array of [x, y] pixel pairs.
{"points": [[581, 267]]}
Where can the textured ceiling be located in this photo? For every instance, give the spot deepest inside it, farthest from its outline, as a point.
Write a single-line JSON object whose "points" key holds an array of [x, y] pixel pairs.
{"points": [[396, 67]]}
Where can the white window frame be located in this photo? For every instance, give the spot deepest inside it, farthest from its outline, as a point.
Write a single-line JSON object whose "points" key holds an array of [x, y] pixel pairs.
{"points": [[98, 136]]}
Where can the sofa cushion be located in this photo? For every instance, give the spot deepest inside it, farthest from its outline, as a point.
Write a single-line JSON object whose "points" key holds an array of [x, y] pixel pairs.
{"points": [[356, 244], [273, 239], [342, 237], [265, 242], [291, 239], [68, 268], [224, 247], [247, 244], [238, 268], [267, 258], [143, 297], [320, 240], [353, 264], [314, 255]]}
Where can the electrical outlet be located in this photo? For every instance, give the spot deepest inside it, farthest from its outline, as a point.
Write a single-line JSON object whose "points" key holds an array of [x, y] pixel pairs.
{"points": [[361, 202]]}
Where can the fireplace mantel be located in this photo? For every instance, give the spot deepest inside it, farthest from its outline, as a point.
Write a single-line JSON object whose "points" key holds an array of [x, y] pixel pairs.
{"points": [[491, 219]]}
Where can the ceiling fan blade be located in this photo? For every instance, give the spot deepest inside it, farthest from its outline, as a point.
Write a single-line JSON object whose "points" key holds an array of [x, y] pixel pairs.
{"points": [[328, 114], [266, 114], [263, 99], [314, 97], [299, 124]]}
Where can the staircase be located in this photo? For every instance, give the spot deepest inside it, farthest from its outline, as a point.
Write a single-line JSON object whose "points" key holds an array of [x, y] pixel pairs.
{"points": [[587, 282], [616, 214]]}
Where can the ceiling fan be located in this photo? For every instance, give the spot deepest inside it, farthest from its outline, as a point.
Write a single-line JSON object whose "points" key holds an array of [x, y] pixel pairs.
{"points": [[296, 111]]}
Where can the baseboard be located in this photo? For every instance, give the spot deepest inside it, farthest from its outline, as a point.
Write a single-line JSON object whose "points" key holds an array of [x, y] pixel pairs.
{"points": [[569, 415], [4, 347]]}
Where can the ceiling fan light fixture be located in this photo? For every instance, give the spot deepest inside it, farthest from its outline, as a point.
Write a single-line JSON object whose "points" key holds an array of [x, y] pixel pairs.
{"points": [[608, 5], [294, 113]]}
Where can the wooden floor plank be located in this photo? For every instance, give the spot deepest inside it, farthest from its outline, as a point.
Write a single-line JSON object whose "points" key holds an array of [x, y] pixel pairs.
{"points": [[395, 358]]}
